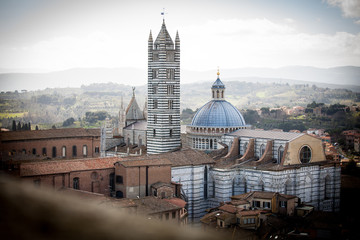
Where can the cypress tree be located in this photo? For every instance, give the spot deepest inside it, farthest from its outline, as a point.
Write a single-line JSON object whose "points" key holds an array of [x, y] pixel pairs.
{"points": [[36, 128], [29, 125], [13, 125], [18, 128]]}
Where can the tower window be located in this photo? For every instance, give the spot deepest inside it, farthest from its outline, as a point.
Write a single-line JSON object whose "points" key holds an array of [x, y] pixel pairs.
{"points": [[171, 104], [155, 119], [170, 56], [155, 104], [154, 89], [154, 132], [170, 73], [155, 73], [171, 132], [170, 119], [170, 89]]}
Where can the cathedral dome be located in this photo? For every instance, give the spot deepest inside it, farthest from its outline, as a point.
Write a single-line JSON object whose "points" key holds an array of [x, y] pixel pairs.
{"points": [[218, 113]]}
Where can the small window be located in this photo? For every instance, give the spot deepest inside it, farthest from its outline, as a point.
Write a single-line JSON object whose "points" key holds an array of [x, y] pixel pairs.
{"points": [[173, 215], [74, 151], [63, 151], [54, 152], [170, 119], [34, 151], [266, 204], [76, 183], [283, 204], [256, 203], [155, 118], [155, 73], [44, 151], [23, 151], [154, 89], [280, 154], [154, 132], [171, 132], [97, 149], [85, 151], [119, 179], [305, 154]]}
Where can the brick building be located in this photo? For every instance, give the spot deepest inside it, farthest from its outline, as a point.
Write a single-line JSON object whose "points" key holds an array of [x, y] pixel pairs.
{"points": [[91, 175], [67, 143]]}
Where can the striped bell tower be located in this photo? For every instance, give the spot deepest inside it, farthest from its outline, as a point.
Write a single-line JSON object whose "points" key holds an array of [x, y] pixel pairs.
{"points": [[163, 123]]}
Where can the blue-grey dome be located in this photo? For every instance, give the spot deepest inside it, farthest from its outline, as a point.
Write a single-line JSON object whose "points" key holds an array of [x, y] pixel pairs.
{"points": [[218, 113]]}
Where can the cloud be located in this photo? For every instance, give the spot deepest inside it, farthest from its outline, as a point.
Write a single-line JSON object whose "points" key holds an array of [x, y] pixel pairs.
{"points": [[263, 43], [350, 8]]}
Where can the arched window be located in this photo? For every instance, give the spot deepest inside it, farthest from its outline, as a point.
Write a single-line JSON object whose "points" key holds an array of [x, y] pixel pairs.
{"points": [[213, 94], [262, 150], [85, 151], [211, 144], [222, 94], [243, 185], [44, 151], [280, 154], [74, 151], [119, 194], [327, 188], [261, 186], [154, 132], [217, 94], [170, 132], [54, 152], [76, 183], [307, 189], [63, 151], [34, 151], [305, 154]]}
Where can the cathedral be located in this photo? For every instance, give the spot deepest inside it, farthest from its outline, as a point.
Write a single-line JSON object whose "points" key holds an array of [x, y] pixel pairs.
{"points": [[223, 156]]}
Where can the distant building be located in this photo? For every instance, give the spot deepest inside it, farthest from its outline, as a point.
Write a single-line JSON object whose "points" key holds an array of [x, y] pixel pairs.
{"points": [[249, 210], [66, 143]]}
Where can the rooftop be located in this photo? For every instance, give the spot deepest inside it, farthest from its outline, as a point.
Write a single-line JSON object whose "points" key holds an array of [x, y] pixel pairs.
{"points": [[65, 166], [47, 134], [287, 136]]}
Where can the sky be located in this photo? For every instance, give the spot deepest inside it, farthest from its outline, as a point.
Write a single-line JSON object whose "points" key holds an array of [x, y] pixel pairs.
{"points": [[50, 35]]}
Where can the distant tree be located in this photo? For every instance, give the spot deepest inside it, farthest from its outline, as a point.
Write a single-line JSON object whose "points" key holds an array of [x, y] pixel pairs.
{"points": [[53, 126], [68, 122], [36, 128], [29, 125], [18, 128], [26, 126], [13, 128]]}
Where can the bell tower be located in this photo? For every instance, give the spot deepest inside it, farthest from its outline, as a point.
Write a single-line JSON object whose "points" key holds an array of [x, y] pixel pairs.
{"points": [[163, 122]]}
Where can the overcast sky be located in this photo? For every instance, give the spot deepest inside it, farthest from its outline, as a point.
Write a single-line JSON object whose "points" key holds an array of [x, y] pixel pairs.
{"points": [[53, 35]]}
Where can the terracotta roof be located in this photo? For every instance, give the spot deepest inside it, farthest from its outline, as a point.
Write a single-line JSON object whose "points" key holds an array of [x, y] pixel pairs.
{"points": [[144, 162], [65, 166], [177, 202], [287, 136], [239, 202], [249, 212], [152, 205], [228, 208], [265, 195], [50, 133], [226, 215], [160, 184], [182, 157], [210, 217]]}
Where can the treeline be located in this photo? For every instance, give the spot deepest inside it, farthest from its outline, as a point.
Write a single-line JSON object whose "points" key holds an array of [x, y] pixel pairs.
{"points": [[20, 126]]}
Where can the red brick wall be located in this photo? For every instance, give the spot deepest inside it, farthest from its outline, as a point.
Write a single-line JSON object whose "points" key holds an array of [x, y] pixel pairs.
{"points": [[98, 182], [29, 145], [131, 176]]}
